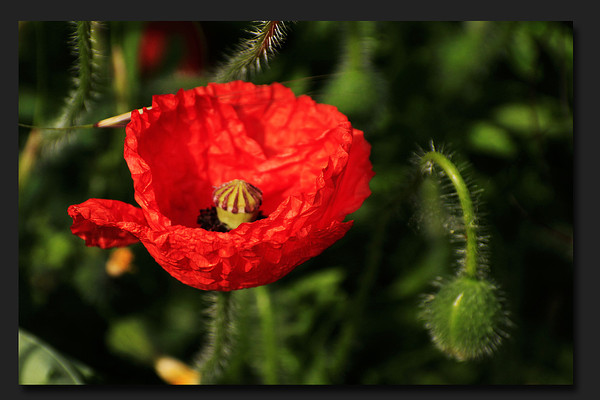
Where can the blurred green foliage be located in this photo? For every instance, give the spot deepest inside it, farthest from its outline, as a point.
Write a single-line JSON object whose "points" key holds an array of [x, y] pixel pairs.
{"points": [[498, 94], [41, 364]]}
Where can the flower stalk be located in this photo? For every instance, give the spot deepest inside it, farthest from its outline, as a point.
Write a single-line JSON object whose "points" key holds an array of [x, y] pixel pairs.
{"points": [[221, 338], [469, 220], [85, 48], [357, 306], [267, 36]]}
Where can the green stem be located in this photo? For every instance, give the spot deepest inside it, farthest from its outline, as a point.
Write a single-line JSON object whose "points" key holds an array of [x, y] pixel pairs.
{"points": [[357, 49], [358, 304], [267, 36], [466, 204], [221, 337], [83, 88], [265, 310], [31, 151]]}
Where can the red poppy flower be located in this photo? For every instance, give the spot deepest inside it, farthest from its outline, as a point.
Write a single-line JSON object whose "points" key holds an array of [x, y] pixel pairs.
{"points": [[160, 37], [312, 167]]}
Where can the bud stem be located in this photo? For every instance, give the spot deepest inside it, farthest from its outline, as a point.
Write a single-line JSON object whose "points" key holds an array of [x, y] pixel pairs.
{"points": [[466, 205]]}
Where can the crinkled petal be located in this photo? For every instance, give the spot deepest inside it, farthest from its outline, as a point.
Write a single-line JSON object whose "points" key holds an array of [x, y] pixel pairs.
{"points": [[239, 259], [353, 187], [107, 223], [194, 140]]}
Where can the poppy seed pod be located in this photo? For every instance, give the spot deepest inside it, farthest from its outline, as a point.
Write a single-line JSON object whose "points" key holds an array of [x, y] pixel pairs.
{"points": [[237, 202]]}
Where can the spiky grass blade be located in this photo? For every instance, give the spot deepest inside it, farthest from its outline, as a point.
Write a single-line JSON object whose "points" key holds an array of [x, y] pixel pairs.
{"points": [[85, 45], [251, 53]]}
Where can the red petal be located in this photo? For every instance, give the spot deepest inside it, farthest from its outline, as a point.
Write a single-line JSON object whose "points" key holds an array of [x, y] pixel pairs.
{"points": [[188, 143], [107, 223], [353, 187], [252, 255]]}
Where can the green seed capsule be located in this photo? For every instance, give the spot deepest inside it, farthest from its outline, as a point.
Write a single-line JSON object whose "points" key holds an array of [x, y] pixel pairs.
{"points": [[237, 202]]}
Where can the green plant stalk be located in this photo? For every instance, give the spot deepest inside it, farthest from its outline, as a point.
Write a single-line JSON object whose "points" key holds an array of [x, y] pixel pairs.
{"points": [[131, 39], [83, 45], [358, 304], [265, 311], [358, 53], [31, 151], [466, 204], [354, 49], [221, 337], [266, 37]]}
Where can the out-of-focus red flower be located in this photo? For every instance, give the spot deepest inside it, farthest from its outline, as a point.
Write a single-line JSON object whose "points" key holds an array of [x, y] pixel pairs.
{"points": [[313, 169], [159, 38]]}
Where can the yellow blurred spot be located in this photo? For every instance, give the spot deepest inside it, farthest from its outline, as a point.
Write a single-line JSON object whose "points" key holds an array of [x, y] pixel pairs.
{"points": [[119, 262], [175, 372], [457, 300]]}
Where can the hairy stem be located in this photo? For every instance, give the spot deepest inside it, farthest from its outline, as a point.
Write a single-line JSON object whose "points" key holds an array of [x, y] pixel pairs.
{"points": [[267, 36], [471, 252], [82, 44], [221, 337], [85, 45]]}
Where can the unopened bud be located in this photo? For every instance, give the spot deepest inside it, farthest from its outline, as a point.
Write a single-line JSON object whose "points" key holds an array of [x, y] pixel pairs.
{"points": [[237, 202], [466, 318]]}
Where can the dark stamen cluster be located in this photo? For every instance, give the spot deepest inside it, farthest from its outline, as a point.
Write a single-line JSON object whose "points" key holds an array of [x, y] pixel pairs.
{"points": [[208, 220]]}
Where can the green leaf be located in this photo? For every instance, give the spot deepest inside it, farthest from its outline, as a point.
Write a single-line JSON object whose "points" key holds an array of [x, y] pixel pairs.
{"points": [[491, 139], [40, 364], [523, 53], [128, 338], [525, 119]]}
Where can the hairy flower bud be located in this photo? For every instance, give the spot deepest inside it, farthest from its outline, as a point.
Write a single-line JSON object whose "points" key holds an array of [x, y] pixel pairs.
{"points": [[465, 318], [237, 202]]}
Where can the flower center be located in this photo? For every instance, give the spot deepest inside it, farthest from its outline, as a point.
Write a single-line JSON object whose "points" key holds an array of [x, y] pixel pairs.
{"points": [[235, 202]]}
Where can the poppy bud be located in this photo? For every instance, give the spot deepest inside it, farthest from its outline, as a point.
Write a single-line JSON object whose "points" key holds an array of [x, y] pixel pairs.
{"points": [[237, 202], [465, 318]]}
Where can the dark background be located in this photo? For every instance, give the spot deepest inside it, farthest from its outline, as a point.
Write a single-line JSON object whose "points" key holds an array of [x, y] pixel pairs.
{"points": [[498, 94]]}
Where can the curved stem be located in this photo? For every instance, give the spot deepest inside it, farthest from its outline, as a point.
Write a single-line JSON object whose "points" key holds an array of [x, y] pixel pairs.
{"points": [[466, 205]]}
